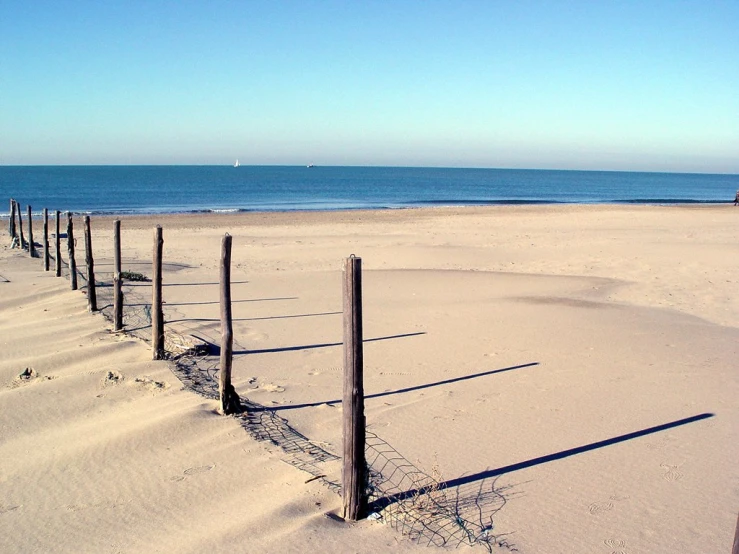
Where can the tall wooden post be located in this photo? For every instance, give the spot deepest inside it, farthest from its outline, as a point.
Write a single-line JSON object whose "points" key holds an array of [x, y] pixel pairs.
{"points": [[11, 219], [354, 465], [31, 246], [58, 244], [13, 231], [21, 240], [46, 239], [92, 299], [117, 293], [70, 251], [230, 402], [157, 316]]}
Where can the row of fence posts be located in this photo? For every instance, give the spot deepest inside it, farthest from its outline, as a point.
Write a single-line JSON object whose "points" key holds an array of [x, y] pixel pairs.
{"points": [[354, 471]]}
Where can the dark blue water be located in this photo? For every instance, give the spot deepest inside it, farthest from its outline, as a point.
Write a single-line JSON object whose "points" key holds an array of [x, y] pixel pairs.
{"points": [[162, 189]]}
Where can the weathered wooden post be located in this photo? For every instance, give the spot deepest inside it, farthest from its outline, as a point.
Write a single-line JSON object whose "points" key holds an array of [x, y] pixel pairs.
{"points": [[31, 246], [117, 293], [21, 240], [92, 299], [58, 244], [230, 401], [354, 466], [70, 251], [13, 231], [46, 239], [157, 315]]}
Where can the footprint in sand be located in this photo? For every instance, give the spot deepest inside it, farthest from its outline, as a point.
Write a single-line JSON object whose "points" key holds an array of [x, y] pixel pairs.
{"points": [[150, 384], [266, 387], [113, 377], [199, 469], [615, 543], [597, 507], [28, 376], [671, 472]]}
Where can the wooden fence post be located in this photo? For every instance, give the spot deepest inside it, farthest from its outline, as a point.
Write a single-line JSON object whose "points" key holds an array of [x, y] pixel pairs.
{"points": [[117, 293], [354, 466], [70, 250], [21, 240], [11, 222], [157, 316], [92, 298], [58, 244], [13, 231], [230, 401], [31, 246], [46, 239]]}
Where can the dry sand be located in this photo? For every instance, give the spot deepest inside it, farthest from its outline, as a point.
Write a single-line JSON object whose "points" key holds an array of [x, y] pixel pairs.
{"points": [[574, 369]]}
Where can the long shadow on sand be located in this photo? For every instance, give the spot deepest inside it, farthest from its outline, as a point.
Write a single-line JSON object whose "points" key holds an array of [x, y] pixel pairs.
{"points": [[409, 389], [323, 345], [216, 320], [489, 473]]}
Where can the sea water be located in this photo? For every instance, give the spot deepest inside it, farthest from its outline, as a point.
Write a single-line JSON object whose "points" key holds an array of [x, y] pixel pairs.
{"points": [[181, 189]]}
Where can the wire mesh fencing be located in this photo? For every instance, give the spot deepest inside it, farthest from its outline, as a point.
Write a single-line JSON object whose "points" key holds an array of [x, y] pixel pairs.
{"points": [[414, 502]]}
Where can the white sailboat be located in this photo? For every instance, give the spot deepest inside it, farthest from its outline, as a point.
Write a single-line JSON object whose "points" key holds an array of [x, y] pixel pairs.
{"points": [[237, 163]]}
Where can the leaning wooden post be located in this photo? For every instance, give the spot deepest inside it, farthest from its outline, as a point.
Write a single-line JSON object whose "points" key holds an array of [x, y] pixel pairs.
{"points": [[70, 251], [92, 299], [31, 246], [157, 316], [58, 244], [117, 293], [13, 231], [354, 466], [230, 401], [21, 240], [46, 239]]}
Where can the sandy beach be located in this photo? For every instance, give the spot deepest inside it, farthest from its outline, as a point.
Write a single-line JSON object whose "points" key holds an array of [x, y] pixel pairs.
{"points": [[566, 374]]}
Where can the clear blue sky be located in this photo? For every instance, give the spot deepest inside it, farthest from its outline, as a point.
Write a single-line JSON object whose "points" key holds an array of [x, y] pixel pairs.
{"points": [[629, 85]]}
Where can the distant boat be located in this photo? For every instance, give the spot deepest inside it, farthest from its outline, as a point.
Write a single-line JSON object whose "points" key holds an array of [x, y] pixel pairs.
{"points": [[309, 165], [237, 163]]}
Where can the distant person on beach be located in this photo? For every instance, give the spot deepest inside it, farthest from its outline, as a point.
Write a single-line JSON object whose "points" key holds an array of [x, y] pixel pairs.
{"points": [[736, 199]]}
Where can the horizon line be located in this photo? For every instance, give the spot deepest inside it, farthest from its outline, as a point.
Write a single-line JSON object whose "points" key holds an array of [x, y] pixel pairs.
{"points": [[315, 166]]}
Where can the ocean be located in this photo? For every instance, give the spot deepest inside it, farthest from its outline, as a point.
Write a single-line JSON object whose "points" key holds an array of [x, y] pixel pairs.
{"points": [[183, 189]]}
